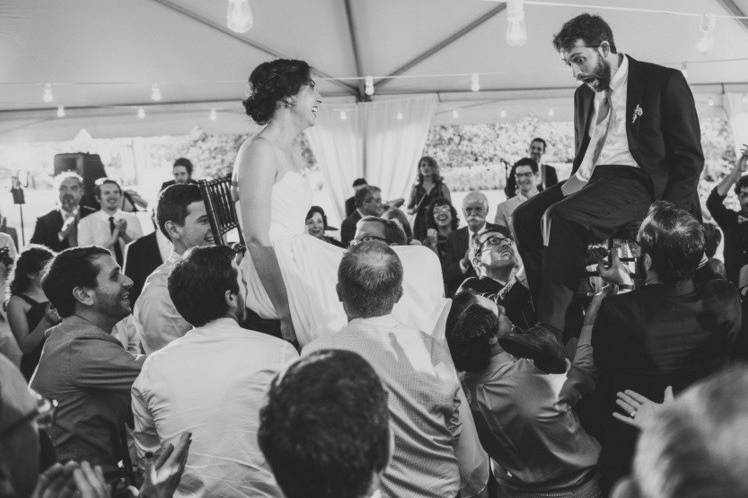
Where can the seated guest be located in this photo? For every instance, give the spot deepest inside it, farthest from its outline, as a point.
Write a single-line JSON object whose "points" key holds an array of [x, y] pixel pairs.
{"points": [[525, 416], [437, 452], [734, 224], [374, 228], [325, 428], [710, 267], [441, 220], [29, 311], [109, 227], [316, 225], [58, 229], [397, 216], [495, 261], [694, 447], [182, 219], [526, 176], [82, 366], [460, 243], [368, 203], [350, 203], [669, 332], [182, 173], [211, 382]]}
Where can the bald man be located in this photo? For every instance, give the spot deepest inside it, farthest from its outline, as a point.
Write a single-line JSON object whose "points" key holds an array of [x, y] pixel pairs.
{"points": [[457, 265]]}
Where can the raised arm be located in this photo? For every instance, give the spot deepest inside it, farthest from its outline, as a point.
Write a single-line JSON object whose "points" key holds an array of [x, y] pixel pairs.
{"points": [[257, 168]]}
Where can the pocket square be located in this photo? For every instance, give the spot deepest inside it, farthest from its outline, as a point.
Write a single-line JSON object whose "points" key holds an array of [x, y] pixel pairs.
{"points": [[638, 111]]}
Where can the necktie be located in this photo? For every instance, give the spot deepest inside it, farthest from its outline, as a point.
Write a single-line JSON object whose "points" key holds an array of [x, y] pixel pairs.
{"points": [[604, 111], [117, 248]]}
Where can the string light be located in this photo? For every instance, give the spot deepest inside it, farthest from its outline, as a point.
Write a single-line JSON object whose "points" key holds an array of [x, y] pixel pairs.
{"points": [[399, 116], [684, 70], [502, 113], [343, 116], [155, 93], [706, 25], [551, 112], [141, 113], [369, 86], [745, 98], [60, 111], [213, 114], [710, 102], [516, 31], [239, 17], [455, 114], [475, 82], [47, 94]]}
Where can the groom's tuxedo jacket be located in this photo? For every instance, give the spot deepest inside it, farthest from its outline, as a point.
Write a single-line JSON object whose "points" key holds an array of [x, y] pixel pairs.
{"points": [[662, 128]]}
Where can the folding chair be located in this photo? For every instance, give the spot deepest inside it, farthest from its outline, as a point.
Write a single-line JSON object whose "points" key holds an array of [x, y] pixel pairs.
{"points": [[219, 205]]}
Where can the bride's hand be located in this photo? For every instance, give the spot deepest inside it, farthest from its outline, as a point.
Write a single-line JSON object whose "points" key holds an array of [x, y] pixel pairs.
{"points": [[286, 329]]}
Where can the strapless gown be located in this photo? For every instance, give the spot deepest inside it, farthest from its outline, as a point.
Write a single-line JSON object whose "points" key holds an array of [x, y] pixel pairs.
{"points": [[309, 267]]}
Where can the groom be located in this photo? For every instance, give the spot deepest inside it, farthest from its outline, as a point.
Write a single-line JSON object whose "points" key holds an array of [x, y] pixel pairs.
{"points": [[637, 140]]}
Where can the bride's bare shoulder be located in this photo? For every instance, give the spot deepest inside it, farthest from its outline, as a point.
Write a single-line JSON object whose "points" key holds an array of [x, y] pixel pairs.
{"points": [[255, 154]]}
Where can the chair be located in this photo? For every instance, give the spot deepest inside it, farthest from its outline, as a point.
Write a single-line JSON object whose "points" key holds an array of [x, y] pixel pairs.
{"points": [[221, 211], [629, 252]]}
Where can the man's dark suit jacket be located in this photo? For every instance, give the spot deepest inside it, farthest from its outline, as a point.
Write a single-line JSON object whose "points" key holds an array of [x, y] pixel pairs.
{"points": [[350, 206], [172, 182], [457, 244], [46, 230], [141, 258], [657, 336], [662, 129], [348, 228], [551, 177]]}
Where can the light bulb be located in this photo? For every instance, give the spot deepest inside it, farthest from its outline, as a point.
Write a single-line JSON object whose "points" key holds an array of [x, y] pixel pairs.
{"points": [[745, 98], [369, 85], [47, 94], [475, 82], [213, 114], [399, 116], [141, 113], [706, 26], [455, 114], [343, 116], [502, 113], [684, 70], [239, 17], [516, 32], [551, 112], [710, 102], [60, 111], [155, 92]]}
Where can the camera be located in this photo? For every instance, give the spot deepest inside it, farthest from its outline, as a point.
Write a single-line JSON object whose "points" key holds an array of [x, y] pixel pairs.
{"points": [[5, 257]]}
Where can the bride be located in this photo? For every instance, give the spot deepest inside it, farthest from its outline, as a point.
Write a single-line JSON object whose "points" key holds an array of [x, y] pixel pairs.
{"points": [[289, 275]]}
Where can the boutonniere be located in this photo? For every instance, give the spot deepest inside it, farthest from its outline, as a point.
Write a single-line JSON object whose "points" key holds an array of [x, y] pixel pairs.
{"points": [[638, 111]]}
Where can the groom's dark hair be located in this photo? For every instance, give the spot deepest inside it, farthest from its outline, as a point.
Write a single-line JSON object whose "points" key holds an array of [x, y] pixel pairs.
{"points": [[172, 204], [592, 30]]}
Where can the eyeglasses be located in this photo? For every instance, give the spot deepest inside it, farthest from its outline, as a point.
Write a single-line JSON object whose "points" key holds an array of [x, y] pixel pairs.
{"points": [[367, 238], [495, 240], [44, 414]]}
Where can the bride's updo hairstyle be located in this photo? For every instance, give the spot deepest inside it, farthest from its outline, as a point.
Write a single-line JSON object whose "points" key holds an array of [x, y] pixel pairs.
{"points": [[270, 83]]}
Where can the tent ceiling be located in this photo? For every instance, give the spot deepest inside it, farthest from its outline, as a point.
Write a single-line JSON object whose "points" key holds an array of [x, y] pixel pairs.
{"points": [[102, 57]]}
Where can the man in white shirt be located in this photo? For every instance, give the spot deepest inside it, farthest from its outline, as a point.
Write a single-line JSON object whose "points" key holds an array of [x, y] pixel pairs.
{"points": [[526, 179], [181, 216], [109, 227], [211, 382], [437, 453], [637, 141]]}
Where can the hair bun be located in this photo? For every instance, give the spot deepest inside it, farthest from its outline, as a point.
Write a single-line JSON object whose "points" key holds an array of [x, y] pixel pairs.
{"points": [[270, 82]]}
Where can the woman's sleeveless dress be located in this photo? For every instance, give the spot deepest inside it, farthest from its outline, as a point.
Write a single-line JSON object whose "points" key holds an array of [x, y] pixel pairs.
{"points": [[309, 267]]}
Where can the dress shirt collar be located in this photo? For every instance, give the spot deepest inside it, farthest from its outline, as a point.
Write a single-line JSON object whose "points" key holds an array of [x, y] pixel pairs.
{"points": [[105, 216], [619, 79], [75, 325], [382, 322], [173, 257], [224, 325]]}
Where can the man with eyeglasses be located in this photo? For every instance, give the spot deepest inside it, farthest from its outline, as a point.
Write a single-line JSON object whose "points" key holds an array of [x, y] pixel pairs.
{"points": [[373, 228], [526, 180], [637, 141], [494, 258], [461, 242]]}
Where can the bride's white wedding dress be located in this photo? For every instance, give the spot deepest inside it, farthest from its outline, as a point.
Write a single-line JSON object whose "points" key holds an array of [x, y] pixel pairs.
{"points": [[309, 267]]}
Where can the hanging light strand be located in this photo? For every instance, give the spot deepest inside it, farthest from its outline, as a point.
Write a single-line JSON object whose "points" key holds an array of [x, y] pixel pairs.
{"points": [[239, 18]]}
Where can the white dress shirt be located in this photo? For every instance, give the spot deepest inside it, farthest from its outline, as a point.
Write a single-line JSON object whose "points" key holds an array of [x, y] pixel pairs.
{"points": [[157, 320], [505, 210], [94, 229], [211, 382], [616, 146], [436, 443]]}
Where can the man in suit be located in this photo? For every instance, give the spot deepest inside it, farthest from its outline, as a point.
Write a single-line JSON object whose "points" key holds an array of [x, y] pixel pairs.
{"points": [[457, 266], [637, 140], [182, 173], [368, 201], [547, 176], [670, 332], [58, 229], [350, 203]]}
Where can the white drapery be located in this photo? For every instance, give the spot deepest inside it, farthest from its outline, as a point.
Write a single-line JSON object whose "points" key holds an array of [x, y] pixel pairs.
{"points": [[737, 113], [380, 141]]}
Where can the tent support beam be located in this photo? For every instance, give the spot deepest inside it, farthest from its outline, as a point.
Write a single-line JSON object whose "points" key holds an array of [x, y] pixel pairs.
{"points": [[442, 44], [258, 46], [362, 97], [731, 7]]}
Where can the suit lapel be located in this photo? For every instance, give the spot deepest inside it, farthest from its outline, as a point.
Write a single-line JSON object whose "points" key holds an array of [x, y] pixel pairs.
{"points": [[634, 96]]}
